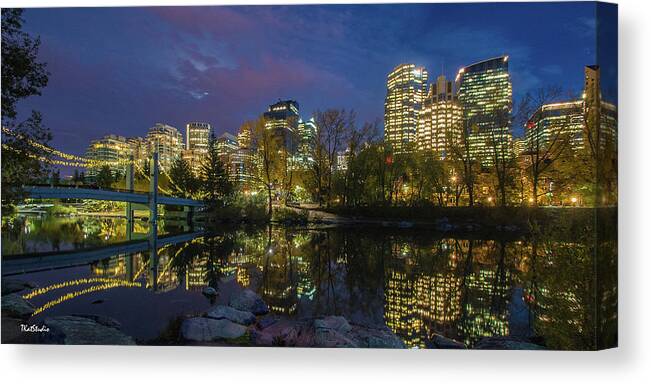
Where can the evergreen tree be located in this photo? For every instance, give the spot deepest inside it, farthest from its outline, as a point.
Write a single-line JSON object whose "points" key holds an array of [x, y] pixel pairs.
{"points": [[215, 184], [104, 178], [184, 183]]}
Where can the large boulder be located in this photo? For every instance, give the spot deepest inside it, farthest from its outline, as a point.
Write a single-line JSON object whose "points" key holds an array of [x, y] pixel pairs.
{"points": [[437, 341], [235, 315], [13, 305], [75, 330], [505, 342], [249, 301], [209, 292], [203, 329], [285, 333], [332, 332], [11, 285], [100, 319], [368, 337], [337, 323]]}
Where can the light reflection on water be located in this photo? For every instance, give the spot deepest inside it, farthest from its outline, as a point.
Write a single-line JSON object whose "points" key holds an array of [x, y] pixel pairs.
{"points": [[415, 281]]}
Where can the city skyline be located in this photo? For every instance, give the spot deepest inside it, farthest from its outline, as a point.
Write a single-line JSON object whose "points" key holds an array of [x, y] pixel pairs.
{"points": [[365, 93]]}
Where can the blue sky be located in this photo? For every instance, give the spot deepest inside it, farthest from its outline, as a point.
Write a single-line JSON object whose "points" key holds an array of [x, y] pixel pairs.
{"points": [[120, 70]]}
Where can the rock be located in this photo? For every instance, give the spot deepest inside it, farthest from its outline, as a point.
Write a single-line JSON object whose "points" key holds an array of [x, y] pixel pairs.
{"points": [[337, 323], [505, 342], [100, 319], [209, 292], [282, 333], [376, 338], [232, 314], [329, 338], [13, 305], [75, 330], [267, 321], [205, 329], [10, 285], [441, 342], [249, 301]]}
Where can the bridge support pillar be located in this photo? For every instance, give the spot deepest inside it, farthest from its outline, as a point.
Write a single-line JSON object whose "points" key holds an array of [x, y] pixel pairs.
{"points": [[153, 192], [129, 209]]}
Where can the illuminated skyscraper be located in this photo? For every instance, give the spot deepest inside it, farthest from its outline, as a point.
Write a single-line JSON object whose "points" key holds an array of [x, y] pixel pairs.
{"points": [[485, 94], [555, 123], [306, 142], [406, 88], [441, 119], [167, 141], [282, 118], [197, 136]]}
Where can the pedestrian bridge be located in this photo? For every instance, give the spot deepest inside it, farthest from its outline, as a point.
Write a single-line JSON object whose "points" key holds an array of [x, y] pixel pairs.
{"points": [[48, 192]]}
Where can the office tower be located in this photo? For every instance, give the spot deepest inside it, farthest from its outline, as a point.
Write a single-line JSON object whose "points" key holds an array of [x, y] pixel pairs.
{"points": [[227, 150], [441, 119], [197, 137], [282, 119], [406, 88], [485, 94], [306, 143], [571, 120], [167, 141], [112, 149], [557, 123]]}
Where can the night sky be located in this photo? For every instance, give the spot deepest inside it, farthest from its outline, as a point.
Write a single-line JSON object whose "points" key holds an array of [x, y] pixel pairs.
{"points": [[120, 70]]}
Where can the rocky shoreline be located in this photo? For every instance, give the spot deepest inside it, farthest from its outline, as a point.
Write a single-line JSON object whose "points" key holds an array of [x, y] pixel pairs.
{"points": [[244, 321]]}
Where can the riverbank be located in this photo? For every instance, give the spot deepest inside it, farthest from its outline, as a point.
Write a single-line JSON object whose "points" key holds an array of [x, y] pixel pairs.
{"points": [[514, 220]]}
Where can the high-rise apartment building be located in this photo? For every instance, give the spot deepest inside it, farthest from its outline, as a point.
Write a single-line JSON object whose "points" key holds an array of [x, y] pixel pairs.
{"points": [[112, 149], [485, 94], [167, 141], [406, 89], [197, 136], [441, 119]]}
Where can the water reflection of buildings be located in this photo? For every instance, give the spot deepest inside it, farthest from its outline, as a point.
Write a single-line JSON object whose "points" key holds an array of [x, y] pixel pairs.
{"points": [[465, 306]]}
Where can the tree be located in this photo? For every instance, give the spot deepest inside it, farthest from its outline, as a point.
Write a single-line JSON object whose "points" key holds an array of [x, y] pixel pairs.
{"points": [[22, 76], [465, 163], [215, 184], [267, 160], [332, 127], [502, 158], [104, 178], [184, 183]]}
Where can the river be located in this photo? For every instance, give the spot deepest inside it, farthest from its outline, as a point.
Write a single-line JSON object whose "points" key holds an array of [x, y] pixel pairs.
{"points": [[418, 282]]}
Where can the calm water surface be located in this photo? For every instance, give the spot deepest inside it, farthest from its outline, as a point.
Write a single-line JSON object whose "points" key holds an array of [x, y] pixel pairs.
{"points": [[417, 282]]}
